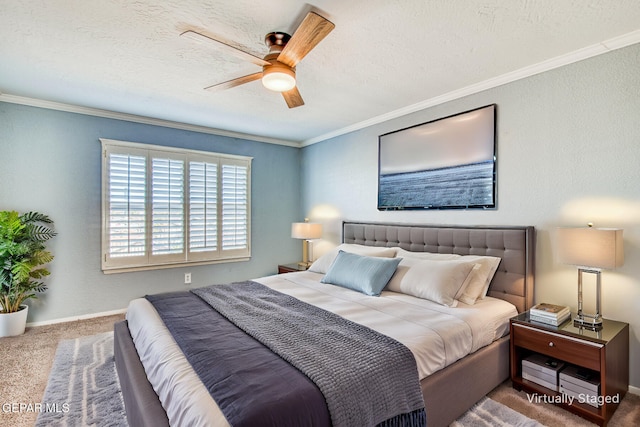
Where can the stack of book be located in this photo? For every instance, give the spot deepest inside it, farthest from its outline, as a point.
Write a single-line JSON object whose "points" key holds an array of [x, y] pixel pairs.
{"points": [[550, 314]]}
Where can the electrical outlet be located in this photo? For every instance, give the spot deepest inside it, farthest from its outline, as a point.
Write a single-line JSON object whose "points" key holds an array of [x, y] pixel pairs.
{"points": [[187, 278]]}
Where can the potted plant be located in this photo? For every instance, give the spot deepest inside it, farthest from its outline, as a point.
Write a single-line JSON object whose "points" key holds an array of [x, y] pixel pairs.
{"points": [[22, 258]]}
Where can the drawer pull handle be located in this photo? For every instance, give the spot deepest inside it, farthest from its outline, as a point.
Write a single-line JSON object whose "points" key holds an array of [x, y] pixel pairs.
{"points": [[551, 344]]}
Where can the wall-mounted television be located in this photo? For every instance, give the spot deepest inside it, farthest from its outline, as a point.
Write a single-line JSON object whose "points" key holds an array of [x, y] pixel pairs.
{"points": [[448, 163]]}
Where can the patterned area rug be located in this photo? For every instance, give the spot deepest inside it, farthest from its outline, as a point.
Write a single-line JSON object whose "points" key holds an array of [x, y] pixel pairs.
{"points": [[490, 413], [83, 387], [83, 390]]}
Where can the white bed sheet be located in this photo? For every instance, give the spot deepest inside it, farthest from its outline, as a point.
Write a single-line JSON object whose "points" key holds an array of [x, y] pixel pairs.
{"points": [[436, 335]]}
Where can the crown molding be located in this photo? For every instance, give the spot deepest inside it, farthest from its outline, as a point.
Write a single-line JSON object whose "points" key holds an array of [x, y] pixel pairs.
{"points": [[541, 67], [59, 106]]}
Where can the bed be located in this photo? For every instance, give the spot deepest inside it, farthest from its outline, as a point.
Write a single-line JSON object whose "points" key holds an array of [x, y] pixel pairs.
{"points": [[486, 365]]}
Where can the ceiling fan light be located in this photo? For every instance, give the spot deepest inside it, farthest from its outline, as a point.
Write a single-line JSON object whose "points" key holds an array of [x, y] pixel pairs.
{"points": [[280, 80]]}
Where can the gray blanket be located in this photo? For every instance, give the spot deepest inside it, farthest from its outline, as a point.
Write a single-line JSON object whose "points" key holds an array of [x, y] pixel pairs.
{"points": [[367, 378]]}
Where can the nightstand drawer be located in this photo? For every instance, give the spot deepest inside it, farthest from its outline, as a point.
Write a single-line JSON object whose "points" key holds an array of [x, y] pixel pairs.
{"points": [[579, 352]]}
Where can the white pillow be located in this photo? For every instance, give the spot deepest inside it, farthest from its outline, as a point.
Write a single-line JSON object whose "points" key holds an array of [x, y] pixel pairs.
{"points": [[439, 281], [477, 285], [401, 270], [322, 264], [402, 253]]}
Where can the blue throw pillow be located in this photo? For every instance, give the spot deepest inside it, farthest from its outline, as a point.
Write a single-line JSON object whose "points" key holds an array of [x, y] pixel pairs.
{"points": [[368, 275]]}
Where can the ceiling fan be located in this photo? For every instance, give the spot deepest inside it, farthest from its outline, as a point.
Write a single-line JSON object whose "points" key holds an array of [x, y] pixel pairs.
{"points": [[279, 65]]}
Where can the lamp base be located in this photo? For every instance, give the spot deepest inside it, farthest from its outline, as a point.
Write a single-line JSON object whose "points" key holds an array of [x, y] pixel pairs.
{"points": [[304, 264], [586, 321]]}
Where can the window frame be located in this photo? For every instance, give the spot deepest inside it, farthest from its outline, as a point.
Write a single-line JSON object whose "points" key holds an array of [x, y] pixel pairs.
{"points": [[150, 261]]}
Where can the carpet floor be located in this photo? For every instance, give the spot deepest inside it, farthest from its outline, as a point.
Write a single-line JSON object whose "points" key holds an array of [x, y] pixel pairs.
{"points": [[28, 359], [83, 387], [627, 414]]}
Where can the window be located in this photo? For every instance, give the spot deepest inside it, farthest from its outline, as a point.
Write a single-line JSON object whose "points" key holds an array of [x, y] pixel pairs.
{"points": [[164, 207]]}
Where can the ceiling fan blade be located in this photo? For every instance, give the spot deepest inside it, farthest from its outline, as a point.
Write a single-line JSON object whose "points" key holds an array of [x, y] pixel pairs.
{"points": [[311, 31], [235, 82], [201, 38], [293, 98]]}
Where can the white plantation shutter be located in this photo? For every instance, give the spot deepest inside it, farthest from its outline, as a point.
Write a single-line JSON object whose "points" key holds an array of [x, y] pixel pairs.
{"points": [[126, 215], [167, 206], [203, 206], [234, 207]]}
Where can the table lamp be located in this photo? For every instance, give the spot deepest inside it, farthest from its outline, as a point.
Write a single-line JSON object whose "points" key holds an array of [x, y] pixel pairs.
{"points": [[591, 249], [306, 230]]}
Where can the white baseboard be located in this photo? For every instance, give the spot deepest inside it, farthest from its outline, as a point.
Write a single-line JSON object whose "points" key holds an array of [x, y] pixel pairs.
{"points": [[634, 390], [75, 318]]}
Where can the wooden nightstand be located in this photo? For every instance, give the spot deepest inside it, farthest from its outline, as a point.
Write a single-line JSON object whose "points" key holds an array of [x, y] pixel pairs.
{"points": [[290, 268], [605, 352]]}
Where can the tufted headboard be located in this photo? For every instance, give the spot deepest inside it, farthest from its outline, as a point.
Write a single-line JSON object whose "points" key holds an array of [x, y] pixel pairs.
{"points": [[513, 280]]}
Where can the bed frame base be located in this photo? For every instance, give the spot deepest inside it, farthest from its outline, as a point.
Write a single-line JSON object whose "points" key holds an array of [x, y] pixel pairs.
{"points": [[449, 393], [140, 400]]}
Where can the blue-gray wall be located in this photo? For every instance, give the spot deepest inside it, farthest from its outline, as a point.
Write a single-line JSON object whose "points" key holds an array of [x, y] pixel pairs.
{"points": [[568, 153], [50, 162]]}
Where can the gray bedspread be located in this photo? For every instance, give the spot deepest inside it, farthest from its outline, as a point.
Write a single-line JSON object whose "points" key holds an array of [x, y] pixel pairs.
{"points": [[367, 378]]}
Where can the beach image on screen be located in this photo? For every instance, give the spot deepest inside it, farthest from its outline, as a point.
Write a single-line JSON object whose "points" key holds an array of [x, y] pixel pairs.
{"points": [[447, 163]]}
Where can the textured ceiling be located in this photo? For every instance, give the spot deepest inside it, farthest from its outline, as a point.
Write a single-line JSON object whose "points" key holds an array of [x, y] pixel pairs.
{"points": [[126, 56]]}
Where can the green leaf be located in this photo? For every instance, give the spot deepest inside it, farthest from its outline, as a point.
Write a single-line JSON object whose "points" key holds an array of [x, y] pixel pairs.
{"points": [[40, 233], [30, 217], [22, 256]]}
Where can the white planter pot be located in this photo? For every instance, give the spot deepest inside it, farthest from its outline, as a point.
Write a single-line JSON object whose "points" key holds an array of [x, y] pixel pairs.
{"points": [[12, 324]]}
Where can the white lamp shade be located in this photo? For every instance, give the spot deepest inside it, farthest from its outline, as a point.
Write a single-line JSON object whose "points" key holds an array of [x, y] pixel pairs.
{"points": [[591, 247], [306, 230]]}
